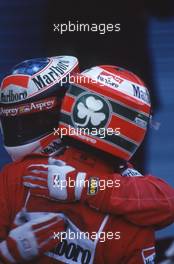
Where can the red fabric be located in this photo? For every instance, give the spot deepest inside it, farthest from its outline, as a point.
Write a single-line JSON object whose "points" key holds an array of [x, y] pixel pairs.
{"points": [[13, 197], [146, 201]]}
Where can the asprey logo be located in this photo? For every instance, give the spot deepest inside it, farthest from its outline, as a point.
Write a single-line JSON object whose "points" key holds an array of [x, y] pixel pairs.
{"points": [[38, 106], [50, 75], [109, 79], [90, 111]]}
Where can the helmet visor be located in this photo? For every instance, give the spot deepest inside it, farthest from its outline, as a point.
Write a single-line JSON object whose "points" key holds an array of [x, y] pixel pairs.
{"points": [[23, 124]]}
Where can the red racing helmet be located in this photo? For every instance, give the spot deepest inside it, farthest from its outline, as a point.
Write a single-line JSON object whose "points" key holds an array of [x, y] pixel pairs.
{"points": [[108, 108], [30, 99]]}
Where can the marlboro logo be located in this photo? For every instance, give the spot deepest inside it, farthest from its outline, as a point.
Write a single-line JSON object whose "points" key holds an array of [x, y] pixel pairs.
{"points": [[17, 80], [53, 73], [12, 97]]}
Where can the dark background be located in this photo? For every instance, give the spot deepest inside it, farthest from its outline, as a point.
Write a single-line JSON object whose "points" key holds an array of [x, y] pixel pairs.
{"points": [[144, 45]]}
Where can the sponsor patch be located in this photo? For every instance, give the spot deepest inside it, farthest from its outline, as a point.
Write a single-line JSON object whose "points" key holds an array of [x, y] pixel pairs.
{"points": [[139, 121], [131, 172], [50, 75], [56, 181], [141, 93], [19, 80], [93, 185], [148, 255], [12, 97], [39, 106], [90, 111], [109, 79], [72, 252], [53, 148], [117, 83], [30, 79]]}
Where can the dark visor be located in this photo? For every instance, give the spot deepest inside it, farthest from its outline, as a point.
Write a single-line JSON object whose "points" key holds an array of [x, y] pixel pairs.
{"points": [[25, 128]]}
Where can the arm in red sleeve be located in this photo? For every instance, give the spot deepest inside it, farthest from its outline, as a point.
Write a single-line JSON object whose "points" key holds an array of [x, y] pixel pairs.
{"points": [[144, 200], [4, 202], [136, 244]]}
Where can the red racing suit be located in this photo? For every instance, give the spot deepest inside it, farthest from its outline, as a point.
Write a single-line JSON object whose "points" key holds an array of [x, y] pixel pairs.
{"points": [[146, 200], [124, 242]]}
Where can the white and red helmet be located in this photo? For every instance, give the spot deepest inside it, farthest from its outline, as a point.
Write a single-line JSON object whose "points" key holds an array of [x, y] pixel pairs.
{"points": [[30, 100], [108, 108]]}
